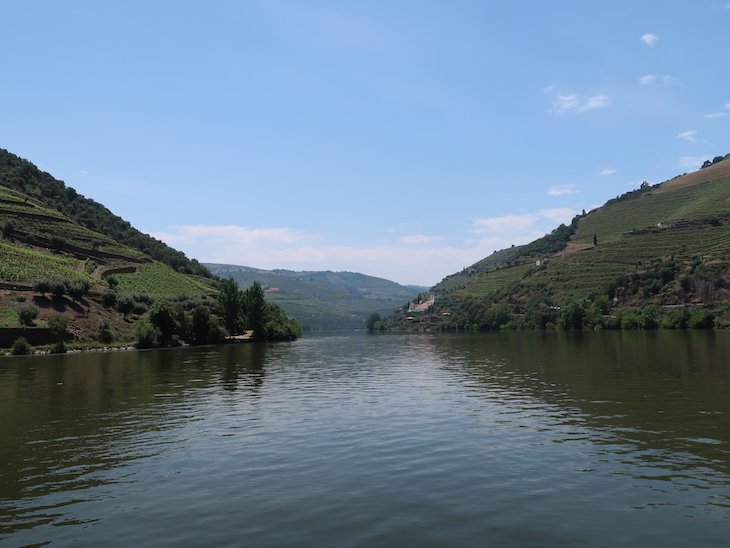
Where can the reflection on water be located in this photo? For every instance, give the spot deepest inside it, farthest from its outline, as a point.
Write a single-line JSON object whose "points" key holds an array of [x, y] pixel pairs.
{"points": [[510, 438]]}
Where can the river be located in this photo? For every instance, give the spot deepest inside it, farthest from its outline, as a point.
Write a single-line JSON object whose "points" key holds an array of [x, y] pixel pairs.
{"points": [[507, 439]]}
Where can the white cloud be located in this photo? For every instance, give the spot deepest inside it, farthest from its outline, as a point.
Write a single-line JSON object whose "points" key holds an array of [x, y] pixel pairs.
{"points": [[649, 79], [562, 190], [557, 214], [607, 171], [418, 239], [417, 258], [83, 172], [727, 105], [649, 39], [504, 223], [692, 162], [716, 115], [574, 103], [689, 135], [271, 248], [520, 229]]}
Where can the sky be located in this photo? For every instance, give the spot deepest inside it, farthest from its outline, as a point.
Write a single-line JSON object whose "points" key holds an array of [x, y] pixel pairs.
{"points": [[401, 139]]}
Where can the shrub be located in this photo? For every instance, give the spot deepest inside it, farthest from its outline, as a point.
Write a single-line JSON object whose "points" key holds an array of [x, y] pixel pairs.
{"points": [[108, 298], [58, 348], [104, 330], [630, 321], [20, 347], [701, 319], [147, 336], [57, 324], [28, 314], [112, 282]]}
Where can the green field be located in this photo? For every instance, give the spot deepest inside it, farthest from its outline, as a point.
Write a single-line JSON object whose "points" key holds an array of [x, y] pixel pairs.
{"points": [[697, 219], [159, 280], [18, 264]]}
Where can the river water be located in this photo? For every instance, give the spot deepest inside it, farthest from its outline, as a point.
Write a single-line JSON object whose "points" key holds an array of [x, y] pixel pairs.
{"points": [[355, 440]]}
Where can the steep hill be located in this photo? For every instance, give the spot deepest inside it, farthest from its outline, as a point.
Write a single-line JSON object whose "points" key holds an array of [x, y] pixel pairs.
{"points": [[323, 300], [43, 190], [51, 264], [663, 246]]}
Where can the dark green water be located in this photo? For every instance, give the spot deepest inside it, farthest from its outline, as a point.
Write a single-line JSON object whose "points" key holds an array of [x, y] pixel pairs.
{"points": [[504, 439]]}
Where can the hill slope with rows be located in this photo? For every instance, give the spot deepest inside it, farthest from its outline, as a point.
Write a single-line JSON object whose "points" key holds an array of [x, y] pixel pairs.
{"points": [[665, 246]]}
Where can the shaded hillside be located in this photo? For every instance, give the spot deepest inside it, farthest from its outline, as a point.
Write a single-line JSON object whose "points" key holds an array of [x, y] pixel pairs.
{"points": [[45, 191], [323, 300], [50, 265], [663, 246]]}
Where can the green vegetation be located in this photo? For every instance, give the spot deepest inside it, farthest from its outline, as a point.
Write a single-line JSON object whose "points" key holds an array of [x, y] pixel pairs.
{"points": [[159, 280], [20, 347], [103, 287], [22, 176], [248, 310], [663, 263], [18, 264], [323, 300]]}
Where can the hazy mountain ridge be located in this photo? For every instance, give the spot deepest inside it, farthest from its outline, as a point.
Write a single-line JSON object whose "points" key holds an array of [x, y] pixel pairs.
{"points": [[322, 300]]}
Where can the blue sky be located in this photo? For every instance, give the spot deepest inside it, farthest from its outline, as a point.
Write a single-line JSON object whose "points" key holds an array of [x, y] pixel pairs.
{"points": [[402, 139]]}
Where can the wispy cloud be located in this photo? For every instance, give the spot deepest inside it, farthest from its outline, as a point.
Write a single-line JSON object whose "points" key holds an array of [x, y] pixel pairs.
{"points": [[524, 227], [572, 102], [419, 239], [689, 135], [562, 190], [649, 39], [692, 162], [607, 171], [663, 79], [83, 172], [726, 107], [402, 261]]}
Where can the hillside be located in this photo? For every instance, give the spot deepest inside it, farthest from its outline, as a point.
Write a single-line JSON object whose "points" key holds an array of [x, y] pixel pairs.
{"points": [[44, 191], [662, 248], [323, 300], [51, 265]]}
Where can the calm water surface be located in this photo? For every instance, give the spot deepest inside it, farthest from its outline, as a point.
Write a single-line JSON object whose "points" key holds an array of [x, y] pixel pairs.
{"points": [[503, 439]]}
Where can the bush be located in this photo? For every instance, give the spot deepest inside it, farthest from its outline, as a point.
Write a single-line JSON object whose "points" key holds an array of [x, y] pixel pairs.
{"points": [[28, 314], [57, 324], [77, 288], [701, 319], [20, 347], [109, 298], [58, 348], [104, 331], [112, 282], [147, 336], [630, 321]]}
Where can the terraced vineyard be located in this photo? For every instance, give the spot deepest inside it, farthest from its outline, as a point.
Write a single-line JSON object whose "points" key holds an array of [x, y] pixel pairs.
{"points": [[663, 245], [158, 280], [18, 264]]}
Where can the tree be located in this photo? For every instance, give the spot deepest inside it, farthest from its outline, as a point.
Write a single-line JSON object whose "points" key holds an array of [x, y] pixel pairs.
{"points": [[112, 282], [57, 324], [255, 310], [230, 301], [201, 325], [27, 314], [165, 317], [372, 322], [20, 347], [78, 288], [8, 229], [595, 240]]}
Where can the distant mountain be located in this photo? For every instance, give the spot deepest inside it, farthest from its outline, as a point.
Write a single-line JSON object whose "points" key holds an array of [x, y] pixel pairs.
{"points": [[323, 300], [655, 256]]}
